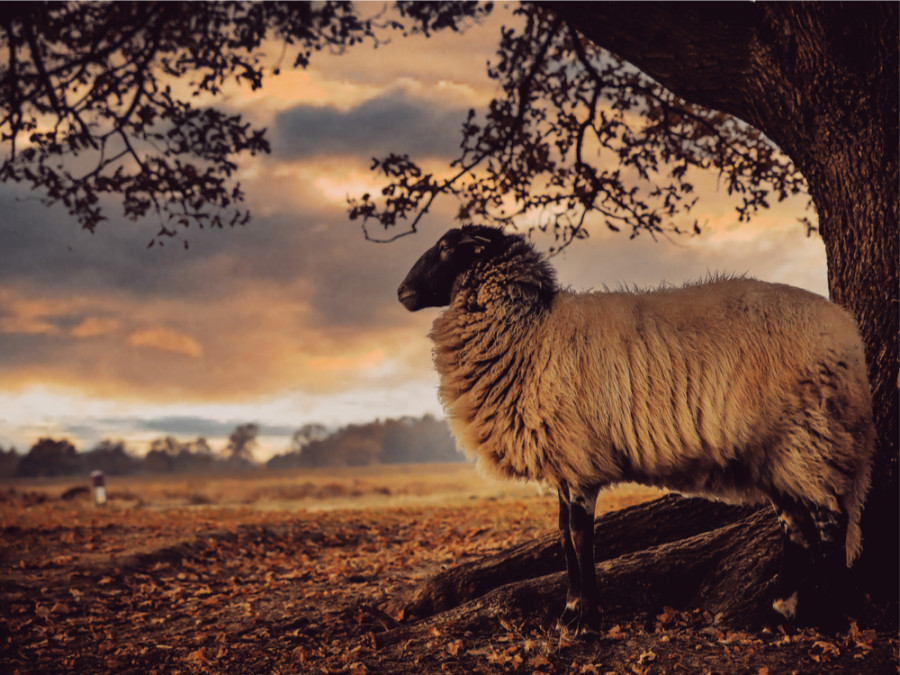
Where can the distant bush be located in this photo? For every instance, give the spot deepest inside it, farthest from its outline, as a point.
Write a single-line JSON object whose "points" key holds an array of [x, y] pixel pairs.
{"points": [[112, 458], [50, 457], [9, 462]]}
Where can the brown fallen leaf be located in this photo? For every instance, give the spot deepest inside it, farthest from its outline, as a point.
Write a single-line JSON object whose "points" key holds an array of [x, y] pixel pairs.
{"points": [[668, 614], [647, 657]]}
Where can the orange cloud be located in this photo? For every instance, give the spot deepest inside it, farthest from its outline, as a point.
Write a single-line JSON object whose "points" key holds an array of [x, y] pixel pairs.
{"points": [[95, 326], [166, 340], [27, 315]]}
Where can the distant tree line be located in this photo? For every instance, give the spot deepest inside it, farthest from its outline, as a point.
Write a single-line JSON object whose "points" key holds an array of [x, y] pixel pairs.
{"points": [[392, 441], [60, 457], [313, 445]]}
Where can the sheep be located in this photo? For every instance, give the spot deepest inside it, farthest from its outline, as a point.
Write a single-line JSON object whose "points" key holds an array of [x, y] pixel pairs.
{"points": [[732, 388]]}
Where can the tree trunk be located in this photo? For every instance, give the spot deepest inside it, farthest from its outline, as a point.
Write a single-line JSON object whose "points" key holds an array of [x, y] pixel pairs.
{"points": [[821, 80]]}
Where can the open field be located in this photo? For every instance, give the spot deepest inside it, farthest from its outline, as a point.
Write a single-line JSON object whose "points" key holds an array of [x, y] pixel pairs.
{"points": [[288, 573], [302, 489]]}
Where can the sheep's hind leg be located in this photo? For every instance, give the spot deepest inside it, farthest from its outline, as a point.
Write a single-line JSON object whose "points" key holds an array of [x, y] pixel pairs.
{"points": [[812, 581], [832, 592], [799, 531], [576, 531]]}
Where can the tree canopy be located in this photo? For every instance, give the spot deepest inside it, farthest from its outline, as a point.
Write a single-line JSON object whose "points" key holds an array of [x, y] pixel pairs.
{"points": [[101, 99], [115, 101], [577, 131]]}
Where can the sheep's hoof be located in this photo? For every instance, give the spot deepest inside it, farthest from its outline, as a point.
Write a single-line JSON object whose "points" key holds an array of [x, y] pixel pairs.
{"points": [[579, 621], [775, 622], [826, 614]]}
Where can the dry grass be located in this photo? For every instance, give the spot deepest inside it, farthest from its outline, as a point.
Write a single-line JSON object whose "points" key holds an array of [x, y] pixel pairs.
{"points": [[307, 489]]}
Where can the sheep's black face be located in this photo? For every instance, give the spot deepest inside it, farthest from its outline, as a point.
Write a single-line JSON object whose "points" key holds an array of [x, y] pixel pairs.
{"points": [[430, 281]]}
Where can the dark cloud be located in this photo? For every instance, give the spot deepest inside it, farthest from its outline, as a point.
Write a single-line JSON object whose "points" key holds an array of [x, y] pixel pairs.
{"points": [[45, 247], [179, 426], [352, 282], [393, 122], [44, 250]]}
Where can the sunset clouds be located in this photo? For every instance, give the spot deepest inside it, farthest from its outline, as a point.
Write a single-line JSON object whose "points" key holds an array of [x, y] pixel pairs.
{"points": [[392, 122], [293, 319], [166, 340]]}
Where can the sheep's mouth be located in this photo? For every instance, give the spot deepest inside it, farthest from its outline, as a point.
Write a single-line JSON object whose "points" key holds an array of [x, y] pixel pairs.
{"points": [[408, 298]]}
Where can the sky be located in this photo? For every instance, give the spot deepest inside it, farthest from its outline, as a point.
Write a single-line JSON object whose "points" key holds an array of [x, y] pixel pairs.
{"points": [[293, 318]]}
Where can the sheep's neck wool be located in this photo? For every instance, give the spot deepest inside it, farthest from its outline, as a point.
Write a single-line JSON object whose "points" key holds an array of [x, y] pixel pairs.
{"points": [[495, 307]]}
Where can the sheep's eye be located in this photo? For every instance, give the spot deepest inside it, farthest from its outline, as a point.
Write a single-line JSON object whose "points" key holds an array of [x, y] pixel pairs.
{"points": [[443, 247]]}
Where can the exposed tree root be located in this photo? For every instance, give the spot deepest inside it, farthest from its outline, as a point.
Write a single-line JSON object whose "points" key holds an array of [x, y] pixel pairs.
{"points": [[684, 553]]}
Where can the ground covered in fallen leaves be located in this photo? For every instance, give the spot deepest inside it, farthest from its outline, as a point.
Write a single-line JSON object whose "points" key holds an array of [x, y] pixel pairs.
{"points": [[189, 586]]}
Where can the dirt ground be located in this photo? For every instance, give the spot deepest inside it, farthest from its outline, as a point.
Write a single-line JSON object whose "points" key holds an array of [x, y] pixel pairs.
{"points": [[289, 574]]}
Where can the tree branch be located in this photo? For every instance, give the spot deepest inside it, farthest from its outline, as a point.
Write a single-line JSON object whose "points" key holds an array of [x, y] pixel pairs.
{"points": [[15, 105], [38, 59]]}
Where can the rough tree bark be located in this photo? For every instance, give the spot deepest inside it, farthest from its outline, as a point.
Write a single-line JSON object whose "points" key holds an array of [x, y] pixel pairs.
{"points": [[821, 80]]}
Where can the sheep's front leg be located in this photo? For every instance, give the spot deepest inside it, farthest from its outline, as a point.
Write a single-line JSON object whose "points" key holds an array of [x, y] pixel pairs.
{"points": [[569, 616], [576, 532]]}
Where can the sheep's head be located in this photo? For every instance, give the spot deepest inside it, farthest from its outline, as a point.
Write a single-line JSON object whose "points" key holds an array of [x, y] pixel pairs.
{"points": [[431, 280]]}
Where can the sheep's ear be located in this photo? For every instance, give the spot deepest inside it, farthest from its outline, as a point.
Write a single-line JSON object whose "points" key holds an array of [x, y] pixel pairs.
{"points": [[477, 241]]}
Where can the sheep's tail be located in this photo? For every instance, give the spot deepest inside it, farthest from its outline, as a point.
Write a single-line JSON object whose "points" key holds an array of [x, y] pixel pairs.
{"points": [[854, 500]]}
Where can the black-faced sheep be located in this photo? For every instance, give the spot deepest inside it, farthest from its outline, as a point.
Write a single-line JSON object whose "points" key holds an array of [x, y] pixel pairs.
{"points": [[734, 388]]}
